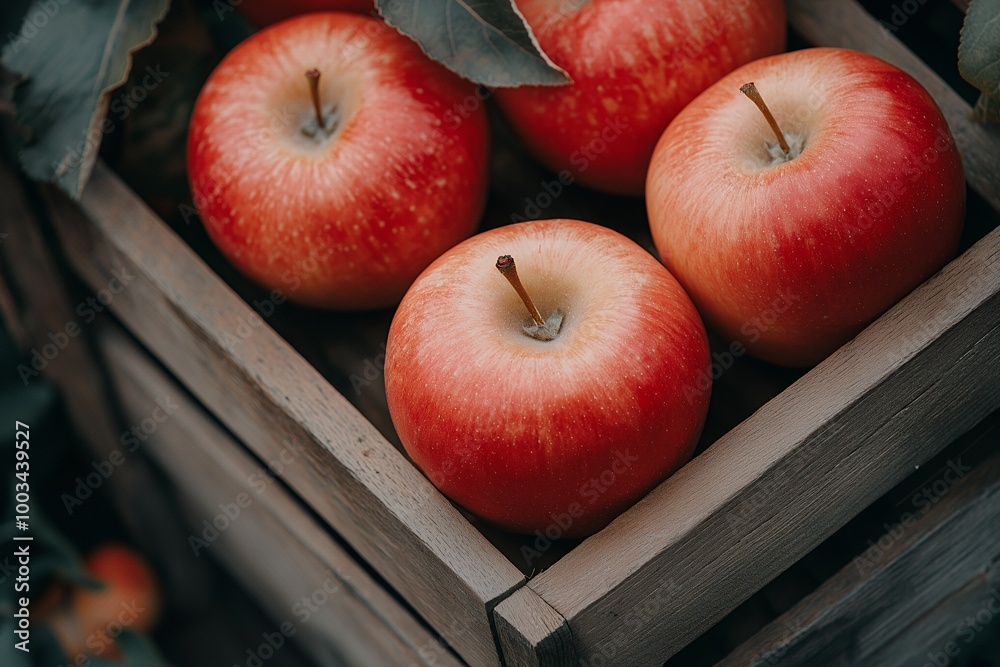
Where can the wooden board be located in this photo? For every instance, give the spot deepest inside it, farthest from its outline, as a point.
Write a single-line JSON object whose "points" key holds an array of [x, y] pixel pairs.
{"points": [[934, 571], [43, 310], [269, 541], [854, 426], [531, 633], [269, 397], [827, 446], [667, 569]]}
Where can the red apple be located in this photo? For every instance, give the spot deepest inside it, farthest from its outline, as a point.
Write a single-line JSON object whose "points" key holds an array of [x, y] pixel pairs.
{"points": [[547, 435], [793, 255], [128, 599], [348, 214], [635, 64], [265, 12]]}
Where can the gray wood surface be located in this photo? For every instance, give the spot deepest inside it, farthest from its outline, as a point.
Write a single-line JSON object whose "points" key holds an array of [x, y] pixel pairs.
{"points": [[838, 438], [43, 310], [273, 546], [268, 396], [531, 633], [934, 572]]}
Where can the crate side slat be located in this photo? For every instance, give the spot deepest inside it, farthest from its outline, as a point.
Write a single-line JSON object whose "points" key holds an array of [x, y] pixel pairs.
{"points": [[846, 24], [936, 629], [532, 634], [273, 545], [857, 614], [712, 534], [44, 307], [269, 397]]}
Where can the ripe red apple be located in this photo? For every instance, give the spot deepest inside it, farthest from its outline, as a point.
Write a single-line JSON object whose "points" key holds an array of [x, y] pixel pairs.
{"points": [[635, 64], [265, 12], [94, 618], [345, 215], [543, 435], [793, 255]]}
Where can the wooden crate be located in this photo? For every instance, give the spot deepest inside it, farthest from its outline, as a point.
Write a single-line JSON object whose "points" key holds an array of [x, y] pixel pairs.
{"points": [[771, 486]]}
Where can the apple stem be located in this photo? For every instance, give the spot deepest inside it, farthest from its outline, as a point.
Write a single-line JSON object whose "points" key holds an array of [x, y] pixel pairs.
{"points": [[750, 90], [313, 77], [505, 264]]}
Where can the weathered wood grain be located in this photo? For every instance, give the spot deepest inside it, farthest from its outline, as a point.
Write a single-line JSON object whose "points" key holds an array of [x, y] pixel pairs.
{"points": [[844, 23], [270, 398], [531, 633], [838, 438], [273, 546], [44, 311], [937, 628], [932, 569]]}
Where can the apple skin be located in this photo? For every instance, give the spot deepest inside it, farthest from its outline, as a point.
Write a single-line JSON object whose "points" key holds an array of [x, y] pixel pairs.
{"points": [[130, 597], [350, 222], [793, 260], [635, 64], [128, 580], [265, 12], [534, 435]]}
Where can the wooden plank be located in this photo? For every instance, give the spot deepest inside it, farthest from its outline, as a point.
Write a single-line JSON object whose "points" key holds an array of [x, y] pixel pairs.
{"points": [[864, 613], [842, 435], [532, 633], [273, 546], [60, 330], [933, 633], [845, 23], [267, 395], [42, 310]]}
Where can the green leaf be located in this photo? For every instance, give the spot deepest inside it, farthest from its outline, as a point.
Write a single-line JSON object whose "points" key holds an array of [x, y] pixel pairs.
{"points": [[979, 56], [485, 41], [72, 54]]}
